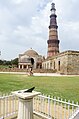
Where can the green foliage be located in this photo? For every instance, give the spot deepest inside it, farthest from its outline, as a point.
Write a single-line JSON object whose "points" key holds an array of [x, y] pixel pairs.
{"points": [[63, 87], [1, 62], [14, 61], [6, 62], [11, 63], [3, 66]]}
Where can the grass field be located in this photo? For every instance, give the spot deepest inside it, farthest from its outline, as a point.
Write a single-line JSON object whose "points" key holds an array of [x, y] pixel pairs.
{"points": [[63, 87]]}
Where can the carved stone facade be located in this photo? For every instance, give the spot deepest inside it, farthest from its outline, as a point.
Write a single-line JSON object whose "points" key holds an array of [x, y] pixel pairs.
{"points": [[65, 63]]}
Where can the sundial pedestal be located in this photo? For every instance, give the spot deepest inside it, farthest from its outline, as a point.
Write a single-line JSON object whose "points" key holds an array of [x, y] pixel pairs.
{"points": [[25, 110]]}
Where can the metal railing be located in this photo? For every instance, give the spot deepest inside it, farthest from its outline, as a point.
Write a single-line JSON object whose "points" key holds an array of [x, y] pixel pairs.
{"points": [[8, 106], [75, 115], [44, 106], [54, 108]]}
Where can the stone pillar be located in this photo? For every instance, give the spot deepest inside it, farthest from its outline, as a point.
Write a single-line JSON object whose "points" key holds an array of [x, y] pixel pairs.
{"points": [[27, 67], [19, 66], [25, 110], [22, 66], [46, 65]]}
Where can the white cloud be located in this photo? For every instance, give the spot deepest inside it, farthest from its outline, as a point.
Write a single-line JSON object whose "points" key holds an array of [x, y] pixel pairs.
{"points": [[68, 22]]}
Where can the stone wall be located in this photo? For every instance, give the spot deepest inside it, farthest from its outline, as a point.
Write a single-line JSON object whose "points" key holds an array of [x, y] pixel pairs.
{"points": [[65, 63], [62, 67], [73, 64], [58, 63]]}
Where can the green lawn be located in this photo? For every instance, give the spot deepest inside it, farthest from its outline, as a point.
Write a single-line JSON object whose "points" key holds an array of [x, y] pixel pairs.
{"points": [[63, 87], [4, 66]]}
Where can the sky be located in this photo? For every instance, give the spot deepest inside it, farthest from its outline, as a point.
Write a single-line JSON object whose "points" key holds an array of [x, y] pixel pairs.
{"points": [[24, 25]]}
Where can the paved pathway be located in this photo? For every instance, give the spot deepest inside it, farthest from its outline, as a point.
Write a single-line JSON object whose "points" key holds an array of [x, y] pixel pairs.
{"points": [[46, 74], [37, 74]]}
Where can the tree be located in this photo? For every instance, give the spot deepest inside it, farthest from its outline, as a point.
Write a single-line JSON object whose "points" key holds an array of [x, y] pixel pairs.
{"points": [[6, 62], [1, 62], [14, 61]]}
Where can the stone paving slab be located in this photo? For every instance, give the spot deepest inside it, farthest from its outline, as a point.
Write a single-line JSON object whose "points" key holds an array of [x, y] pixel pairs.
{"points": [[37, 117]]}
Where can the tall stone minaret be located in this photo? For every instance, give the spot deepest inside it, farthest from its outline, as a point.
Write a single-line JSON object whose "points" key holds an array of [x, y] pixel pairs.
{"points": [[53, 42]]}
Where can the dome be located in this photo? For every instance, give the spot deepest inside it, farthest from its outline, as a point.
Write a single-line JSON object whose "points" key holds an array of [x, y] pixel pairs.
{"points": [[24, 59], [31, 53]]}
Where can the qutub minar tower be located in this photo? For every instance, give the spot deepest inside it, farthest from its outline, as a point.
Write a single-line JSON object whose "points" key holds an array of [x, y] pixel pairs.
{"points": [[53, 42]]}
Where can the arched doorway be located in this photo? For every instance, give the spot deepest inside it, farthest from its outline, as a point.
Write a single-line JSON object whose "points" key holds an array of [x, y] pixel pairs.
{"points": [[59, 65], [32, 61]]}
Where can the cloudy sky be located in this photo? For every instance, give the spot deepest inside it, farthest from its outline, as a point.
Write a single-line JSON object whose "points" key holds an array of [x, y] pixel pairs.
{"points": [[24, 25]]}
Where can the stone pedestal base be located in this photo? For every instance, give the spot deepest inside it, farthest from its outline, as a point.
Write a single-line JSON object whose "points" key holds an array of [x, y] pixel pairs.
{"points": [[25, 109]]}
